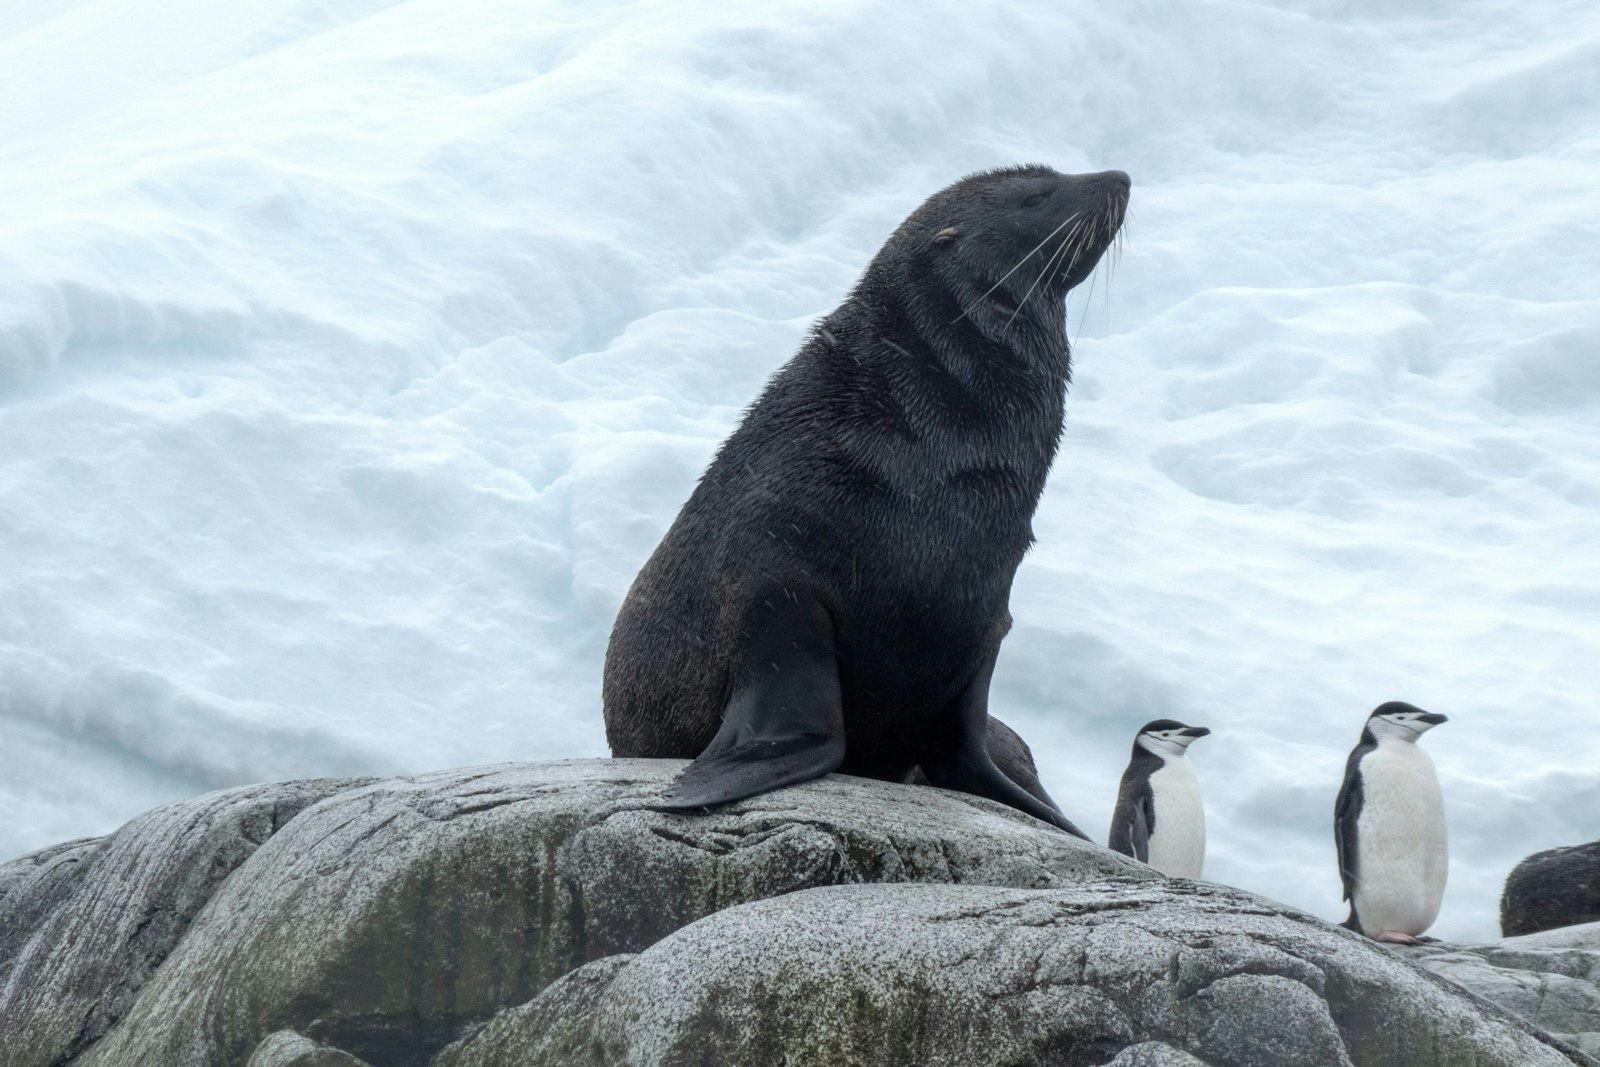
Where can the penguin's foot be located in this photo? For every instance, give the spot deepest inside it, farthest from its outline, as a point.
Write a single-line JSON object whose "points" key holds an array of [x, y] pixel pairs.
{"points": [[1395, 937]]}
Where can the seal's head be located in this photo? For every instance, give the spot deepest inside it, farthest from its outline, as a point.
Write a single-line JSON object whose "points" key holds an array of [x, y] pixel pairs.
{"points": [[1016, 234]]}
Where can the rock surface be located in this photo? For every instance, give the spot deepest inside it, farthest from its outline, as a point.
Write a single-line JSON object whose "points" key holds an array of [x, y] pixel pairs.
{"points": [[1551, 979], [960, 975], [1560, 887], [387, 917], [85, 924], [34, 886], [289, 1049], [546, 913], [1154, 1054]]}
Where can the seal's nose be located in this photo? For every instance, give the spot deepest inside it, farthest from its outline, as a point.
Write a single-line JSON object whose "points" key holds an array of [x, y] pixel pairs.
{"points": [[1116, 181]]}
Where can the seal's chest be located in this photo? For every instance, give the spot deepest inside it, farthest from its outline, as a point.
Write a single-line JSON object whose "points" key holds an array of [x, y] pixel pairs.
{"points": [[940, 538]]}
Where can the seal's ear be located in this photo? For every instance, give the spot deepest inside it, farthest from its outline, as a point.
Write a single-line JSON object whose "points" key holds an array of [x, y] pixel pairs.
{"points": [[946, 235]]}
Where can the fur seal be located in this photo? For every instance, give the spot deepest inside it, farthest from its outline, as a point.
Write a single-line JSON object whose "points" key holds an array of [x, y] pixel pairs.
{"points": [[1559, 887], [833, 594]]}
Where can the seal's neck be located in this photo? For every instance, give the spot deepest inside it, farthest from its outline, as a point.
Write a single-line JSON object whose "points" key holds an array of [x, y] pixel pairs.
{"points": [[995, 346], [976, 394]]}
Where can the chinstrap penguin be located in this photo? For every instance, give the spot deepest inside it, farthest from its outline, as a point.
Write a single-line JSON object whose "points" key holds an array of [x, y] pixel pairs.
{"points": [[1159, 818], [1388, 824]]}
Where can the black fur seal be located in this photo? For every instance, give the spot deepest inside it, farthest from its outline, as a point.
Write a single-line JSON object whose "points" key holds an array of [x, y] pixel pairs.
{"points": [[833, 594], [1560, 887]]}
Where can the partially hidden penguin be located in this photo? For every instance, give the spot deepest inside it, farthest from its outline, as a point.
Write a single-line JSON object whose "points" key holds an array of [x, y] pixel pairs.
{"points": [[833, 595], [1388, 825], [1159, 819]]}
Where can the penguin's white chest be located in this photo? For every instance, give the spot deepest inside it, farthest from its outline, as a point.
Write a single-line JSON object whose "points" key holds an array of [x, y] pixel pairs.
{"points": [[1401, 852], [1178, 842]]}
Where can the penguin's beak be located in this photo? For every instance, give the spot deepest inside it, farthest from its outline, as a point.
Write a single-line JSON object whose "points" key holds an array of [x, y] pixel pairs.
{"points": [[1195, 731], [1434, 718]]}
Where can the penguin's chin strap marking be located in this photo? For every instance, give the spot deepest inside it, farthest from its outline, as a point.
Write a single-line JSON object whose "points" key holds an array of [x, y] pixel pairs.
{"points": [[1395, 937]]}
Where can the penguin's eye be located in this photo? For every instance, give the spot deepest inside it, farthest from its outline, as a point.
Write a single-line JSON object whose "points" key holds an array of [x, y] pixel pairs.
{"points": [[1035, 200]]}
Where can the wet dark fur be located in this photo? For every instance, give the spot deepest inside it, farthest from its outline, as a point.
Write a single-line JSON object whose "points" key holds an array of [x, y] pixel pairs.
{"points": [[884, 483], [1547, 890], [1011, 754]]}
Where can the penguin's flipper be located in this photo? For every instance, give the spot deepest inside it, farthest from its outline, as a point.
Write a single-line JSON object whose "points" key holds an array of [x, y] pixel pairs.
{"points": [[784, 723], [1134, 818], [1346, 815], [1139, 832]]}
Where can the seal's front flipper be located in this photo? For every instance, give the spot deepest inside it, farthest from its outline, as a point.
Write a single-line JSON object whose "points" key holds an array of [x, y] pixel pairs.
{"points": [[742, 762], [785, 721], [959, 758]]}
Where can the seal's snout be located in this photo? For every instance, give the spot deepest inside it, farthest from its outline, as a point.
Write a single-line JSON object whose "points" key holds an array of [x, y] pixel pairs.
{"points": [[1110, 181]]}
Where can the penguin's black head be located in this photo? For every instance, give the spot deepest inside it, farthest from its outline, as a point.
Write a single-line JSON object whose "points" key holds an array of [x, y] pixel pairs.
{"points": [[1167, 737], [1402, 721]]}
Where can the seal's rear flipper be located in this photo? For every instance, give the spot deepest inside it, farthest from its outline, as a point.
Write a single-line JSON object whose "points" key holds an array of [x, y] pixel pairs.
{"points": [[959, 758], [972, 771], [785, 722]]}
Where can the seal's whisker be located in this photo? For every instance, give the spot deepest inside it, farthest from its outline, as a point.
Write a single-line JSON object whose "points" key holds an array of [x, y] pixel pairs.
{"points": [[1111, 272], [1086, 304], [968, 309], [1078, 240], [1061, 248], [1074, 243], [1043, 272], [1116, 244], [1101, 231], [1082, 235]]}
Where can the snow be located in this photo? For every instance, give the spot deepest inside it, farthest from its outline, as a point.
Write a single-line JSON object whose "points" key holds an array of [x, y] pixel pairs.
{"points": [[354, 356]]}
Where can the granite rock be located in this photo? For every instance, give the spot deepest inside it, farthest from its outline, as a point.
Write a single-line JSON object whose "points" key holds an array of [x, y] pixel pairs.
{"points": [[388, 918], [1158, 973], [550, 913], [1551, 979], [83, 926]]}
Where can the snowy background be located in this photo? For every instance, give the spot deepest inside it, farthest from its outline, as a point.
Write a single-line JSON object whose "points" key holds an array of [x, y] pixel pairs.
{"points": [[353, 356]]}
